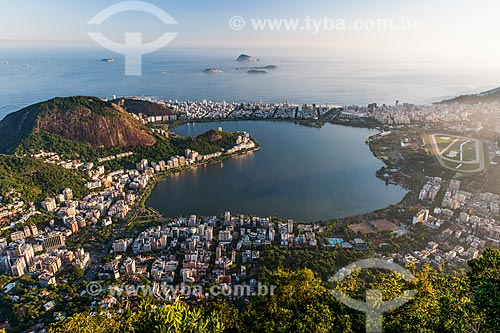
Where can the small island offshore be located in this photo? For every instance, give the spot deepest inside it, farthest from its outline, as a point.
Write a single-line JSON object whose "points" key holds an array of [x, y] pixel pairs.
{"points": [[80, 248], [246, 58], [213, 71], [248, 70]]}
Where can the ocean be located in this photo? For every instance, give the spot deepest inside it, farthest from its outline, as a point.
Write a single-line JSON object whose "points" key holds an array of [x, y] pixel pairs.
{"points": [[30, 75]]}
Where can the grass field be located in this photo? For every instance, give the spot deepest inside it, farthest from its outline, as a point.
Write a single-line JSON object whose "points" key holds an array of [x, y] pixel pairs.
{"points": [[486, 155], [468, 151], [463, 166], [456, 153], [443, 141]]}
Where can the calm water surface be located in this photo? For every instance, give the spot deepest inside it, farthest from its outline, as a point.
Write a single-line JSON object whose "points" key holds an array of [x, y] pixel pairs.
{"points": [[28, 76], [302, 173]]}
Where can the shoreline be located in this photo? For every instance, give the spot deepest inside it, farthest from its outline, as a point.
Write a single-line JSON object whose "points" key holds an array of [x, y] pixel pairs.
{"points": [[302, 122]]}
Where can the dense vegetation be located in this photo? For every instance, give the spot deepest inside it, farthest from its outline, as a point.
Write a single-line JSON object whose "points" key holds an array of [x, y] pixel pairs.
{"points": [[324, 262], [145, 107], [50, 142], [88, 128], [62, 104], [484, 97], [303, 303], [18, 125], [174, 317], [36, 180], [209, 142], [85, 119], [161, 150]]}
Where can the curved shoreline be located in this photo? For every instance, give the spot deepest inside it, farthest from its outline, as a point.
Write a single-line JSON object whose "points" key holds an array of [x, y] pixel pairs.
{"points": [[405, 198]]}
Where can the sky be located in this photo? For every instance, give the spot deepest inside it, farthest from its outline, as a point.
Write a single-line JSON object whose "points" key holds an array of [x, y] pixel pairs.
{"points": [[462, 30]]}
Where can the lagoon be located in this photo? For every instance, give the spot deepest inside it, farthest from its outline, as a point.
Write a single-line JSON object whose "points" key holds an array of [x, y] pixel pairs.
{"points": [[300, 173]]}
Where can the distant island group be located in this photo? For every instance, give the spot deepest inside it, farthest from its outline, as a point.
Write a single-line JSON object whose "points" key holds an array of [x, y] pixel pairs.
{"points": [[242, 58], [249, 70]]}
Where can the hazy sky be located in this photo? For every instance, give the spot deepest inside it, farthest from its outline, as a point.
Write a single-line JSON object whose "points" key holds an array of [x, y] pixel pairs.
{"points": [[454, 29]]}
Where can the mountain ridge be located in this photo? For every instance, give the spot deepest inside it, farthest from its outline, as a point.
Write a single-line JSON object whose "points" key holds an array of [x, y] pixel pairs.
{"points": [[80, 118], [489, 96]]}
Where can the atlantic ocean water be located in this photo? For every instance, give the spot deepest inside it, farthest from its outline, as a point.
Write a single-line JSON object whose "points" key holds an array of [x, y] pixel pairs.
{"points": [[30, 75]]}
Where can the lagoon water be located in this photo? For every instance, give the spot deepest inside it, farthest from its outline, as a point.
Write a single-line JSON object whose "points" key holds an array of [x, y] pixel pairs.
{"points": [[302, 173]]}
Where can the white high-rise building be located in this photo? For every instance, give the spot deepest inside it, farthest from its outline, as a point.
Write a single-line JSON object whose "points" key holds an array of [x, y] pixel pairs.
{"points": [[209, 234], [227, 217], [225, 236], [68, 194], [49, 205]]}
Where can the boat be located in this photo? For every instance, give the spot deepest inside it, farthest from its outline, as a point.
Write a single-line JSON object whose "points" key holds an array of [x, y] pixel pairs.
{"points": [[221, 164], [107, 60]]}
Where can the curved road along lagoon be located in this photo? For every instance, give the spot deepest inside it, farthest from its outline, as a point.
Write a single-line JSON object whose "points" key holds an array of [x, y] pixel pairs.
{"points": [[301, 173]]}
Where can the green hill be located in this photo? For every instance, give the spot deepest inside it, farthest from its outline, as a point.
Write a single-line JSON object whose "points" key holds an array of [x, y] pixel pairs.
{"points": [[145, 107], [209, 142], [84, 119], [489, 96], [35, 179]]}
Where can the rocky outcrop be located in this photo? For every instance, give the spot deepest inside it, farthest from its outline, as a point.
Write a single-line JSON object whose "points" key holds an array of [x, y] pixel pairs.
{"points": [[84, 119], [257, 72], [147, 108], [213, 71], [246, 58], [269, 67]]}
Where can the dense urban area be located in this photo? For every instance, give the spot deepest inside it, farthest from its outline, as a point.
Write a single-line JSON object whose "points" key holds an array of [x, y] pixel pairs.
{"points": [[88, 247]]}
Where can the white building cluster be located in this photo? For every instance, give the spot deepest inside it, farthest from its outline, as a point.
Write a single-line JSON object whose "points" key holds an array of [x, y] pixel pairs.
{"points": [[431, 189], [465, 223], [19, 258]]}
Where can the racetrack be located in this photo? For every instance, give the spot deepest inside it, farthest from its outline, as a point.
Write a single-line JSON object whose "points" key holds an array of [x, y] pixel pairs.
{"points": [[461, 166]]}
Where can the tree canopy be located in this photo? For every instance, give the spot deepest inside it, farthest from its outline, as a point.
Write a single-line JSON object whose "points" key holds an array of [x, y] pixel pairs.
{"points": [[302, 302]]}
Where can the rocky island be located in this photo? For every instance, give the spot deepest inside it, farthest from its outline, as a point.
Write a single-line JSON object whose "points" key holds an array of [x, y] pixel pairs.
{"points": [[246, 58], [256, 72], [269, 67], [213, 71]]}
